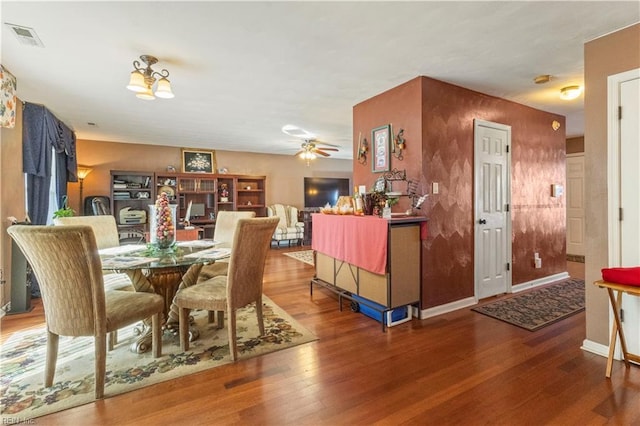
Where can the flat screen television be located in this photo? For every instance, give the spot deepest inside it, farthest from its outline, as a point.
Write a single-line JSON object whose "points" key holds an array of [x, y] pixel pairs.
{"points": [[320, 191]]}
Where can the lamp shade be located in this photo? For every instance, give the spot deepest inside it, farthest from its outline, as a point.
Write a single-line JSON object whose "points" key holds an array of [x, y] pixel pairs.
{"points": [[136, 82], [163, 89], [83, 171], [147, 95]]}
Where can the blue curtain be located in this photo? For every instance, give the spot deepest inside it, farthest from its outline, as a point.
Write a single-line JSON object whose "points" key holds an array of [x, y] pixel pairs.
{"points": [[42, 131]]}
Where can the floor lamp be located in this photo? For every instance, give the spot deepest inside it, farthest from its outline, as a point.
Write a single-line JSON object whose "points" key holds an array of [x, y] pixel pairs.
{"points": [[83, 171]]}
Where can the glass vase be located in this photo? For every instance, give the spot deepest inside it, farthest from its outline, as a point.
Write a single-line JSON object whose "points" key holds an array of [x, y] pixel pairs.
{"points": [[162, 231]]}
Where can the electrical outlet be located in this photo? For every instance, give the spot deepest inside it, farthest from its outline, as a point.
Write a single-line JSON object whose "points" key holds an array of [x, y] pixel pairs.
{"points": [[435, 188]]}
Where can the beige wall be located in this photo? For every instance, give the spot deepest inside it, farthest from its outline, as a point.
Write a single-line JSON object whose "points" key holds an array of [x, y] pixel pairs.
{"points": [[284, 173], [612, 54], [11, 194]]}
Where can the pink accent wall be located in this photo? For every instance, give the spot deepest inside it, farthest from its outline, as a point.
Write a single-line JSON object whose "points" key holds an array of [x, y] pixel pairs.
{"points": [[438, 121]]}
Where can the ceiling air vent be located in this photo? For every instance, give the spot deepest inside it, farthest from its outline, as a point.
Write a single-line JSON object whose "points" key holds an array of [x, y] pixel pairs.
{"points": [[25, 35]]}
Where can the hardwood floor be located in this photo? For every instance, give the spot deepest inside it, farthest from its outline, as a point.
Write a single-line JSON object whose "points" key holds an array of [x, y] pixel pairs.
{"points": [[457, 368]]}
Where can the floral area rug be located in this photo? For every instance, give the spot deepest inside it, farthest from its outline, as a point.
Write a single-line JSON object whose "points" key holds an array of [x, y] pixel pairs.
{"points": [[22, 359], [305, 256], [538, 308]]}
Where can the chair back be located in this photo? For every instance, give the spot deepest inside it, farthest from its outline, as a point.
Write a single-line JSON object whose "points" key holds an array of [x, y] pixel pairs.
{"points": [[226, 222], [104, 228], [251, 243], [67, 265], [288, 214]]}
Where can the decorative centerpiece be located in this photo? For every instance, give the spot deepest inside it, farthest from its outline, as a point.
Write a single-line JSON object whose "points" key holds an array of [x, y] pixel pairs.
{"points": [[163, 223]]}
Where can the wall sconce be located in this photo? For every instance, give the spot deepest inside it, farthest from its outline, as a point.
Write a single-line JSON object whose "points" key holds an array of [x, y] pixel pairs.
{"points": [[143, 79], [399, 145], [570, 92], [363, 147], [82, 173]]}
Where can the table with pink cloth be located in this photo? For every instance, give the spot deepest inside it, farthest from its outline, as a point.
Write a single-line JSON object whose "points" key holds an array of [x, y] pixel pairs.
{"points": [[358, 240], [351, 239]]}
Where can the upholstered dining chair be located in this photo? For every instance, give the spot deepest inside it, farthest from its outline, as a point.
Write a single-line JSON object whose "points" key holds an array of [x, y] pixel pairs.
{"points": [[104, 227], [105, 230], [226, 223], [240, 287], [66, 262]]}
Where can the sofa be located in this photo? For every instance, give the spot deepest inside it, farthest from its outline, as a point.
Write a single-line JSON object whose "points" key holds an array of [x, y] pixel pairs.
{"points": [[289, 229]]}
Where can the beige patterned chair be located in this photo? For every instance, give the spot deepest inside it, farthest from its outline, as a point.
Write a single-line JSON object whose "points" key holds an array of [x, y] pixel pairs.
{"points": [[105, 230], [226, 223], [289, 229], [104, 227], [66, 263], [240, 287]]}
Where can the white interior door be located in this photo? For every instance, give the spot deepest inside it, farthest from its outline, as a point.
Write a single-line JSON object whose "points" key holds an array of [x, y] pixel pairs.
{"points": [[575, 204], [624, 189], [492, 218], [630, 201]]}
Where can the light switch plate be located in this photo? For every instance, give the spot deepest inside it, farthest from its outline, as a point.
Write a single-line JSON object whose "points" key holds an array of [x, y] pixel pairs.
{"points": [[435, 188]]}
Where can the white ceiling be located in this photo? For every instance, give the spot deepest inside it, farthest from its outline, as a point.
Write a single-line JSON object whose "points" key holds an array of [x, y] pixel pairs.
{"points": [[242, 70]]}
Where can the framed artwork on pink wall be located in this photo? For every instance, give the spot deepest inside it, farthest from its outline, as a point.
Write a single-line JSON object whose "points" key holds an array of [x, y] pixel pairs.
{"points": [[381, 142]]}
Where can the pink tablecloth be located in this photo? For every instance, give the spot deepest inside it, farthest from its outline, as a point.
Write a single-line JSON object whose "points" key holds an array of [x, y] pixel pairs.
{"points": [[359, 240]]}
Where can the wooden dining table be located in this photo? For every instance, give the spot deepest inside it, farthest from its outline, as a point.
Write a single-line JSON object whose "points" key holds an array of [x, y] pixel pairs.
{"points": [[163, 273]]}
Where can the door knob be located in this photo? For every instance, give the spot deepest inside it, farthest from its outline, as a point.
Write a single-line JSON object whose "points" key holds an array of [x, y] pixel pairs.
{"points": [[482, 221]]}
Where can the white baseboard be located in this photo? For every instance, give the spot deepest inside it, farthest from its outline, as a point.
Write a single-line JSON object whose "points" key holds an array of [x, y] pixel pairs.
{"points": [[596, 348], [449, 307], [470, 301], [539, 282]]}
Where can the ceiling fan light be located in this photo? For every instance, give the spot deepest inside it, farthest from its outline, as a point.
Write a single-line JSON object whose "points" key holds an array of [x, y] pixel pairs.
{"points": [[136, 82], [570, 92], [147, 95], [163, 89]]}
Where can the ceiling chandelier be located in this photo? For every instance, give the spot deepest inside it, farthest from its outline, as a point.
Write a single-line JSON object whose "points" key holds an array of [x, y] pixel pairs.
{"points": [[142, 80]]}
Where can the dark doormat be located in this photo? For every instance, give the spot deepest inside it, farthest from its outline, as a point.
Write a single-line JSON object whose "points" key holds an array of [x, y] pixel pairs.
{"points": [[540, 307]]}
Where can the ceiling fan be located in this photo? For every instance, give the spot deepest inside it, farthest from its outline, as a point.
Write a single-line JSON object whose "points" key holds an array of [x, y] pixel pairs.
{"points": [[310, 147]]}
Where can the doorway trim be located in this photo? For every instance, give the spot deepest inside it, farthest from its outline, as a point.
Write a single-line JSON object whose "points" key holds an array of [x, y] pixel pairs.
{"points": [[613, 162]]}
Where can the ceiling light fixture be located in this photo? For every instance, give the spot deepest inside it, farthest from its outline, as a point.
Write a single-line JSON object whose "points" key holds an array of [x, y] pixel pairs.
{"points": [[541, 79], [570, 92], [142, 80], [307, 154]]}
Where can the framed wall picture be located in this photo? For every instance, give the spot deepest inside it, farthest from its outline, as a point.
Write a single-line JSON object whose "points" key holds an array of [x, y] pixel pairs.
{"points": [[381, 142], [198, 161]]}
